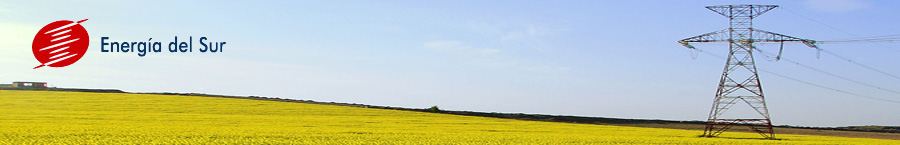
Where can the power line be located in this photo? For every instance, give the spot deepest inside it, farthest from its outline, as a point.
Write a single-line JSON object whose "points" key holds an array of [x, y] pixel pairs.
{"points": [[873, 38], [887, 38], [824, 87], [835, 28], [884, 38], [832, 74], [860, 64], [805, 82]]}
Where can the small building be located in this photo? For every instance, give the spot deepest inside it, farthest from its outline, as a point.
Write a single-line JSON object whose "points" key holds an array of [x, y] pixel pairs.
{"points": [[29, 84]]}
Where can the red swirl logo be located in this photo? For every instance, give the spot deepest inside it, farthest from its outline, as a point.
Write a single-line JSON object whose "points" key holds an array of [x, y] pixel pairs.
{"points": [[60, 43]]}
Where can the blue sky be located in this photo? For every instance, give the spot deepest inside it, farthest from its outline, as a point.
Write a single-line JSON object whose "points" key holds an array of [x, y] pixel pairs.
{"points": [[586, 58]]}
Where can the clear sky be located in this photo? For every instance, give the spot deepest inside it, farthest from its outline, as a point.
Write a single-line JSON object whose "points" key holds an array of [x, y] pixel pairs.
{"points": [[587, 58]]}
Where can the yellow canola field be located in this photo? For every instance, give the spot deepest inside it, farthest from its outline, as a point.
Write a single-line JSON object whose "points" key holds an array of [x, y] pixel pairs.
{"points": [[42, 117]]}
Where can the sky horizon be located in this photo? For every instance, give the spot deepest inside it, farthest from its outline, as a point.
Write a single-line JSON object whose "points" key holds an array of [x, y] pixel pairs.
{"points": [[615, 59]]}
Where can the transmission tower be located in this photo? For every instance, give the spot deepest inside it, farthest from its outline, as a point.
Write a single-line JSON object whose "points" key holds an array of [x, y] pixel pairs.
{"points": [[740, 80]]}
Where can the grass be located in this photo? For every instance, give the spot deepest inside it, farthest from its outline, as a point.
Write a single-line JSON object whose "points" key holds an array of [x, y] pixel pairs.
{"points": [[46, 117]]}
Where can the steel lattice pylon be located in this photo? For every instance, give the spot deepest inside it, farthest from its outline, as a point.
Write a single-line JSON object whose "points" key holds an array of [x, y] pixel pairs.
{"points": [[740, 80]]}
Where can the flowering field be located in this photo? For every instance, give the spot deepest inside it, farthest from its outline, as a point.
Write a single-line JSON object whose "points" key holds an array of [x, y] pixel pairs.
{"points": [[43, 117]]}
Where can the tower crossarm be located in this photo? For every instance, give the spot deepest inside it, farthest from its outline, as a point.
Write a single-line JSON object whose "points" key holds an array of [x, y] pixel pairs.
{"points": [[732, 11], [715, 36], [756, 35]]}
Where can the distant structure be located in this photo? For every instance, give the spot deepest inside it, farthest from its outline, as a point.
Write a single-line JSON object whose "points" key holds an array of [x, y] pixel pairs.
{"points": [[35, 85], [740, 80]]}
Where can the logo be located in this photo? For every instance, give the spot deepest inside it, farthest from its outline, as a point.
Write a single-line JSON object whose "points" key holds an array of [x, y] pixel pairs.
{"points": [[60, 43]]}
